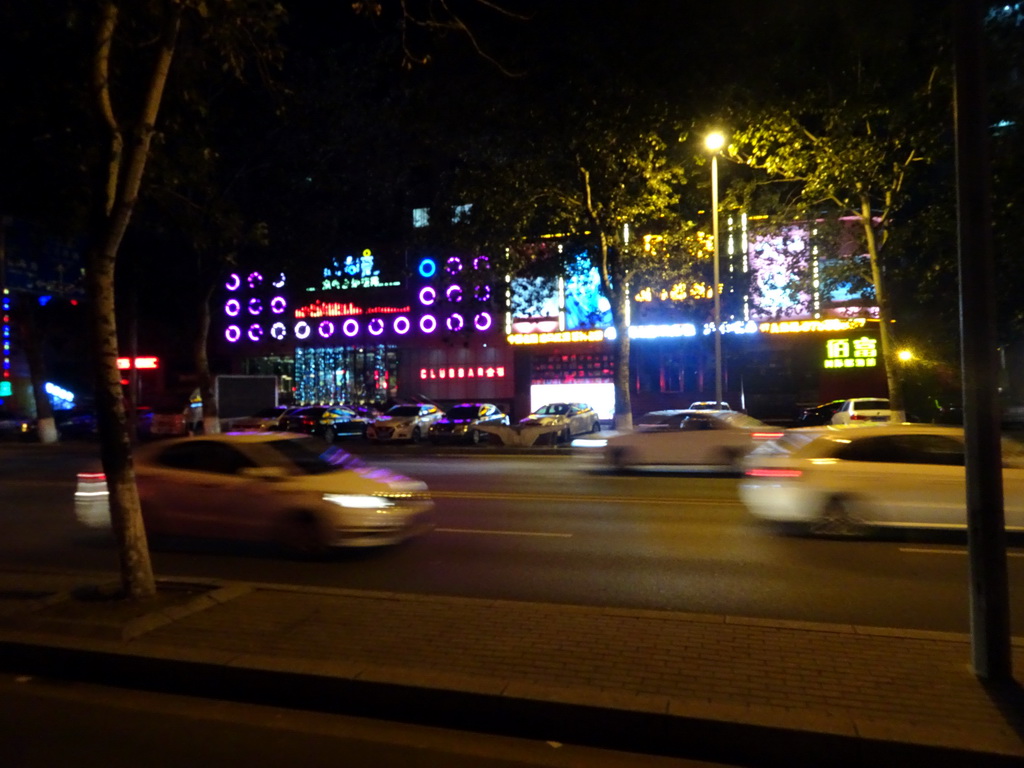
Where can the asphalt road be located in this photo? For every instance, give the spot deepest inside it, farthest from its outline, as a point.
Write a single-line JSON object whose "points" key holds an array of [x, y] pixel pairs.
{"points": [[550, 529]]}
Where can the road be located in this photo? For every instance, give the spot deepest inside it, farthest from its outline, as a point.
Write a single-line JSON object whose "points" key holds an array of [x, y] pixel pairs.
{"points": [[550, 529]]}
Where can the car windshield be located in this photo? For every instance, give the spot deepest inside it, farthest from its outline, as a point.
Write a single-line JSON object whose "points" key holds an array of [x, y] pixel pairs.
{"points": [[404, 410], [307, 455], [556, 409], [464, 412], [871, 405]]}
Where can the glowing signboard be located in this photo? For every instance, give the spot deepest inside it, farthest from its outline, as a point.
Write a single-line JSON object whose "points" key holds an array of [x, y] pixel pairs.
{"points": [[354, 272], [141, 363], [851, 353], [808, 326], [556, 338], [464, 372]]}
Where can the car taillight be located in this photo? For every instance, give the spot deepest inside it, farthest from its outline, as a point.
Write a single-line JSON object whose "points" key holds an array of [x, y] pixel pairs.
{"points": [[768, 472], [767, 435], [857, 417]]}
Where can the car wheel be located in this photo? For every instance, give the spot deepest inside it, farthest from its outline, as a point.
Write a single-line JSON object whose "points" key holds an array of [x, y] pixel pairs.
{"points": [[474, 437], [417, 436], [619, 458], [329, 434], [566, 436], [839, 519], [597, 426], [299, 536]]}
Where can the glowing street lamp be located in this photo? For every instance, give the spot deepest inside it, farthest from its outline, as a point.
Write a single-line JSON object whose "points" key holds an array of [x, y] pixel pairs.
{"points": [[905, 355], [714, 143]]}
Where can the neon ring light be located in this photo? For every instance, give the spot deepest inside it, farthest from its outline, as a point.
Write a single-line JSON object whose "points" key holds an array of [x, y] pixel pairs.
{"points": [[375, 326], [427, 296], [232, 307], [233, 333], [302, 330], [278, 331], [278, 304], [482, 321], [401, 325], [428, 267], [481, 262], [279, 283], [255, 306], [482, 292], [255, 332], [234, 282], [350, 327], [453, 265], [455, 322], [255, 279], [326, 329], [428, 324], [454, 294]]}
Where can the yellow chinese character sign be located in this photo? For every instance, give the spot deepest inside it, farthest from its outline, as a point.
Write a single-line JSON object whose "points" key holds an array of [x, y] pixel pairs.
{"points": [[851, 353]]}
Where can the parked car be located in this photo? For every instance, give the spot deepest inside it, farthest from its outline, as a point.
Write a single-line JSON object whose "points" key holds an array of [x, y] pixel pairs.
{"points": [[716, 439], [327, 421], [269, 486], [571, 419], [264, 419], [819, 414], [404, 422], [460, 421], [850, 480], [14, 427], [175, 415], [863, 410]]}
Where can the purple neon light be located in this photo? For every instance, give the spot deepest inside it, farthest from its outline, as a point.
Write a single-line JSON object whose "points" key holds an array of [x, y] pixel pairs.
{"points": [[375, 326], [453, 265], [255, 279], [326, 329], [302, 330], [233, 333], [482, 292], [255, 306], [234, 282], [278, 304], [232, 307], [481, 262], [255, 332], [483, 321], [279, 283], [455, 322], [427, 296], [350, 327], [454, 293], [402, 325], [278, 331], [428, 320]]}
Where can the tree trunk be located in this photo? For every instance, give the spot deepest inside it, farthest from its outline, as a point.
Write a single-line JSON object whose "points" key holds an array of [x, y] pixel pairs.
{"points": [[211, 421], [893, 376]]}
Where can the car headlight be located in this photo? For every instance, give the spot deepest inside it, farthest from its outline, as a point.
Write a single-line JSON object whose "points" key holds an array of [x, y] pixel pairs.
{"points": [[358, 501], [589, 442]]}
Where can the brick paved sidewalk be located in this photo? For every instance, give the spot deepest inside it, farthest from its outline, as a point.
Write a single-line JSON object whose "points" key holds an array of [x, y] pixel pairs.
{"points": [[744, 691]]}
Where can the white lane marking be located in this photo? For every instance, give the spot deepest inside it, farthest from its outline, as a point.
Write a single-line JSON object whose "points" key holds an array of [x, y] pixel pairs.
{"points": [[504, 533], [922, 551]]}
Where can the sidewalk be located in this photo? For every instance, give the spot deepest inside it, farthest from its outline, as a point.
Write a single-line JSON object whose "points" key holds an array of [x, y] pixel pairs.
{"points": [[718, 688]]}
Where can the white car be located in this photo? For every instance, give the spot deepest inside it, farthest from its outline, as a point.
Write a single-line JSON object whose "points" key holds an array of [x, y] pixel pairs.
{"points": [[684, 437], [568, 419], [849, 480], [266, 487], [863, 410], [709, 405], [264, 419], [404, 422]]}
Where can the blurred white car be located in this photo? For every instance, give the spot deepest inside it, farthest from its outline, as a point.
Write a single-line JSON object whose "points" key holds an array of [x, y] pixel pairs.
{"points": [[266, 487], [864, 410], [404, 422], [264, 419], [848, 480], [685, 437], [709, 405], [568, 419]]}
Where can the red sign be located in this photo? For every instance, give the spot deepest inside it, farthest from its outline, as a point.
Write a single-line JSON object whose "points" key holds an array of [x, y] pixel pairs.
{"points": [[141, 363]]}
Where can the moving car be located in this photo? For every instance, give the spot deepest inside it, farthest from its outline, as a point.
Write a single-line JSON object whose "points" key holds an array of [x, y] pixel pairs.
{"points": [[327, 421], [863, 410], [819, 414], [685, 437], [404, 422], [273, 487], [849, 480], [571, 419], [264, 419], [709, 405], [459, 422]]}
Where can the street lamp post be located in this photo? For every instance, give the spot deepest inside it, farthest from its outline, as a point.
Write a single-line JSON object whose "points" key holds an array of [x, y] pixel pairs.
{"points": [[714, 142]]}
